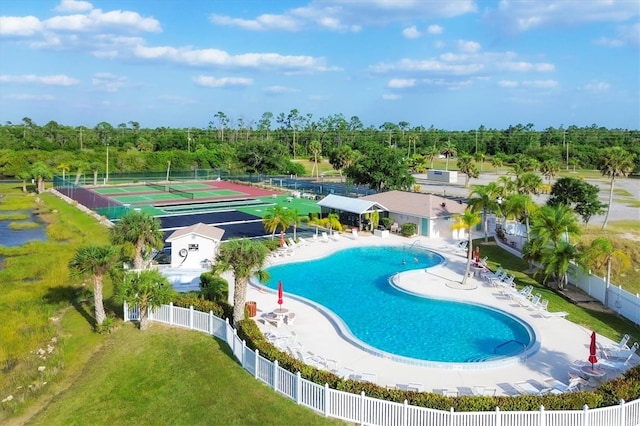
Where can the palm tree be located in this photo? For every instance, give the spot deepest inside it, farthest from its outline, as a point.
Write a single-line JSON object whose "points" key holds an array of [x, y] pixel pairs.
{"points": [[484, 198], [601, 256], [550, 169], [24, 176], [467, 221], [520, 206], [479, 158], [528, 183], [316, 150], [557, 260], [244, 258], [448, 150], [40, 171], [140, 234], [431, 153], [614, 162], [148, 289], [94, 261], [276, 217], [295, 221], [331, 222], [65, 168], [497, 162], [467, 166]]}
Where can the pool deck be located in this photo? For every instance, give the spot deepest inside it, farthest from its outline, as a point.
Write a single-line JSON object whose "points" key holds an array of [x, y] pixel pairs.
{"points": [[561, 342]]}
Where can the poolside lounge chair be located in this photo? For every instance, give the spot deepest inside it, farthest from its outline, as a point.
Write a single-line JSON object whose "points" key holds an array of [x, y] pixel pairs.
{"points": [[528, 388], [354, 233], [556, 386], [415, 387], [484, 390], [450, 392], [461, 247], [488, 275], [273, 319], [531, 304], [366, 377], [617, 365], [335, 236], [620, 345], [312, 359], [343, 372], [325, 237], [622, 353], [546, 314], [524, 293], [290, 318]]}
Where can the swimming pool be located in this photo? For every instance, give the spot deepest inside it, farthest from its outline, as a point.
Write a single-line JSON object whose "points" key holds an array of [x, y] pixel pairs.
{"points": [[353, 284]]}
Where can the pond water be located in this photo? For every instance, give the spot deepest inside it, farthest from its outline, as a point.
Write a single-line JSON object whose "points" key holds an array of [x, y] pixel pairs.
{"points": [[17, 237]]}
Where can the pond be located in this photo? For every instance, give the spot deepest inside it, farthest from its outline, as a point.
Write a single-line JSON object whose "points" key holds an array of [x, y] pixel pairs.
{"points": [[16, 237]]}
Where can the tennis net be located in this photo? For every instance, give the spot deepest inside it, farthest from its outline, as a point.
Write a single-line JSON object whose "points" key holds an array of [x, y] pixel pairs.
{"points": [[156, 186], [182, 193]]}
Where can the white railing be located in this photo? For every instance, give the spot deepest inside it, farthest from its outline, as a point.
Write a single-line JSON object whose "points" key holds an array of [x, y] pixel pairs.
{"points": [[364, 410], [613, 297]]}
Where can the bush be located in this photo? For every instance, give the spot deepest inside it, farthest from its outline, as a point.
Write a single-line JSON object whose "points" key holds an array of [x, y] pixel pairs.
{"points": [[386, 222], [214, 287], [408, 229]]}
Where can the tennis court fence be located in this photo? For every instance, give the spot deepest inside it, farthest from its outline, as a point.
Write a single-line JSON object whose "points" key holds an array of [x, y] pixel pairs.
{"points": [[111, 209]]}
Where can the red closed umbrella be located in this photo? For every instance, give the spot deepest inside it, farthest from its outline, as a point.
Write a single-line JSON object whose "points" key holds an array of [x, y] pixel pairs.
{"points": [[593, 350], [280, 301]]}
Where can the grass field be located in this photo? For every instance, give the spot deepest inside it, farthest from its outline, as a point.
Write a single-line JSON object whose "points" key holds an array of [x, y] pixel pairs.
{"points": [[166, 376]]}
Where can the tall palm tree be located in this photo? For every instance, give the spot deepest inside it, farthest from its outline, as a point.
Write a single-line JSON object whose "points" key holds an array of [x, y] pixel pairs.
{"points": [[497, 162], [600, 256], [316, 151], [550, 169], [140, 234], [295, 218], [614, 162], [520, 206], [94, 261], [40, 171], [431, 152], [467, 166], [484, 198], [276, 217], [528, 183], [448, 150], [148, 289], [467, 221], [557, 260], [244, 258]]}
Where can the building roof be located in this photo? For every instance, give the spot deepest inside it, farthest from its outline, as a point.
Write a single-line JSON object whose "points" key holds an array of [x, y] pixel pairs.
{"points": [[352, 205], [417, 204], [206, 231]]}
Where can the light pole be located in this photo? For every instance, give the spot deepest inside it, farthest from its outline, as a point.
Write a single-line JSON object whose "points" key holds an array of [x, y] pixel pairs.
{"points": [[106, 177]]}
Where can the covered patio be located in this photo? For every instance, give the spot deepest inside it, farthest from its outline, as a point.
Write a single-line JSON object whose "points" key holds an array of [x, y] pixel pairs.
{"points": [[354, 212]]}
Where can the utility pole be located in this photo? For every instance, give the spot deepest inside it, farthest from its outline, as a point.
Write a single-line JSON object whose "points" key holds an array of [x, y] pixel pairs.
{"points": [[106, 177], [80, 138], [567, 156], [188, 140], [476, 141]]}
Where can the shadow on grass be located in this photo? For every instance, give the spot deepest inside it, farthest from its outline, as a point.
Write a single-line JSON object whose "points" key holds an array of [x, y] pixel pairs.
{"points": [[79, 297]]}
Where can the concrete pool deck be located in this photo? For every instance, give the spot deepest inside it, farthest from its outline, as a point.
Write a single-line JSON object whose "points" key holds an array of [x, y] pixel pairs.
{"points": [[561, 342]]}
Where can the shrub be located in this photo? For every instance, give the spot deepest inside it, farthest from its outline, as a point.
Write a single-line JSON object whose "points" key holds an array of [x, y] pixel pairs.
{"points": [[214, 287], [386, 222], [408, 229]]}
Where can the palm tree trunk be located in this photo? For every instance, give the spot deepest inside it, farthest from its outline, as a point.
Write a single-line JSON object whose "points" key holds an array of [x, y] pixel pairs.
{"points": [[97, 300], [606, 216], [144, 317], [138, 261], [239, 298]]}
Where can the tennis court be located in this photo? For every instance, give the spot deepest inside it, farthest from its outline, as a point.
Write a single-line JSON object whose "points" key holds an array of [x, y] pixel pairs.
{"points": [[236, 208]]}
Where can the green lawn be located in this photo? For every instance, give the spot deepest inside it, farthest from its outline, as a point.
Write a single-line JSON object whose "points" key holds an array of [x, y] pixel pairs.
{"points": [[169, 376]]}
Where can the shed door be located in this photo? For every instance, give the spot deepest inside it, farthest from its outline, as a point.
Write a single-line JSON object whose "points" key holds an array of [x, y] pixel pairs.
{"points": [[424, 227]]}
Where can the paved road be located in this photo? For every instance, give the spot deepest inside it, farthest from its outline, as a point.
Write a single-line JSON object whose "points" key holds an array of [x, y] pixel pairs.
{"points": [[622, 208]]}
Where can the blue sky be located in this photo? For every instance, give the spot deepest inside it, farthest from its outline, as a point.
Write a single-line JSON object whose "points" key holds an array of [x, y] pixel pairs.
{"points": [[453, 64]]}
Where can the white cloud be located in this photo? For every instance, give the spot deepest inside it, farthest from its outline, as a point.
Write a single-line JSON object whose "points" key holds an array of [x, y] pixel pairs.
{"points": [[390, 97], [278, 90], [108, 82], [468, 46], [23, 26], [261, 23], [48, 80], [509, 84], [209, 81], [401, 83], [73, 6], [527, 15], [349, 15], [522, 66], [29, 97], [411, 32], [435, 29], [540, 84], [97, 20], [596, 86]]}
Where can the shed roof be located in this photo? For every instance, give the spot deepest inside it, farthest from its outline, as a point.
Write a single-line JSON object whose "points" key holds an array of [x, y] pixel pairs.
{"points": [[351, 205], [207, 231], [418, 204]]}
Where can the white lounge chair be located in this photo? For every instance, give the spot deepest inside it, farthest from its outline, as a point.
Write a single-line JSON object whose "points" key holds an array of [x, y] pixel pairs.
{"points": [[312, 359], [415, 387], [344, 372], [489, 275], [290, 318], [366, 377], [485, 390], [325, 237], [622, 353], [556, 386], [335, 236], [617, 365], [354, 233], [528, 388], [462, 246], [531, 304], [547, 314], [620, 345]]}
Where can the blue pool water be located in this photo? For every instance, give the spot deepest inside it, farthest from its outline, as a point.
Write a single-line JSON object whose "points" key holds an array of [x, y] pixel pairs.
{"points": [[354, 285]]}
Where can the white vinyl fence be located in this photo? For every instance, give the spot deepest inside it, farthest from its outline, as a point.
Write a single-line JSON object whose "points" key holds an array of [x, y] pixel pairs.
{"points": [[613, 297], [363, 410]]}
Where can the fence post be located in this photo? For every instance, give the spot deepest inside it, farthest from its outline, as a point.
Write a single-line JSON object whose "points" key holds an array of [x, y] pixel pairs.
{"points": [[498, 417], [541, 420], [275, 375], [211, 323], [585, 415], [362, 404], [326, 399], [191, 317], [125, 314], [255, 374], [171, 313], [244, 345], [405, 410], [621, 413], [298, 388]]}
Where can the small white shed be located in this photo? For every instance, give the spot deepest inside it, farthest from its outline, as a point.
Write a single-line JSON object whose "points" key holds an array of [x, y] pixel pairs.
{"points": [[194, 246]]}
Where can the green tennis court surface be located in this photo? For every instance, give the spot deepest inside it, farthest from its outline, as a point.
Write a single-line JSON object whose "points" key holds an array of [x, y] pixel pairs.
{"points": [[159, 196], [132, 189]]}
